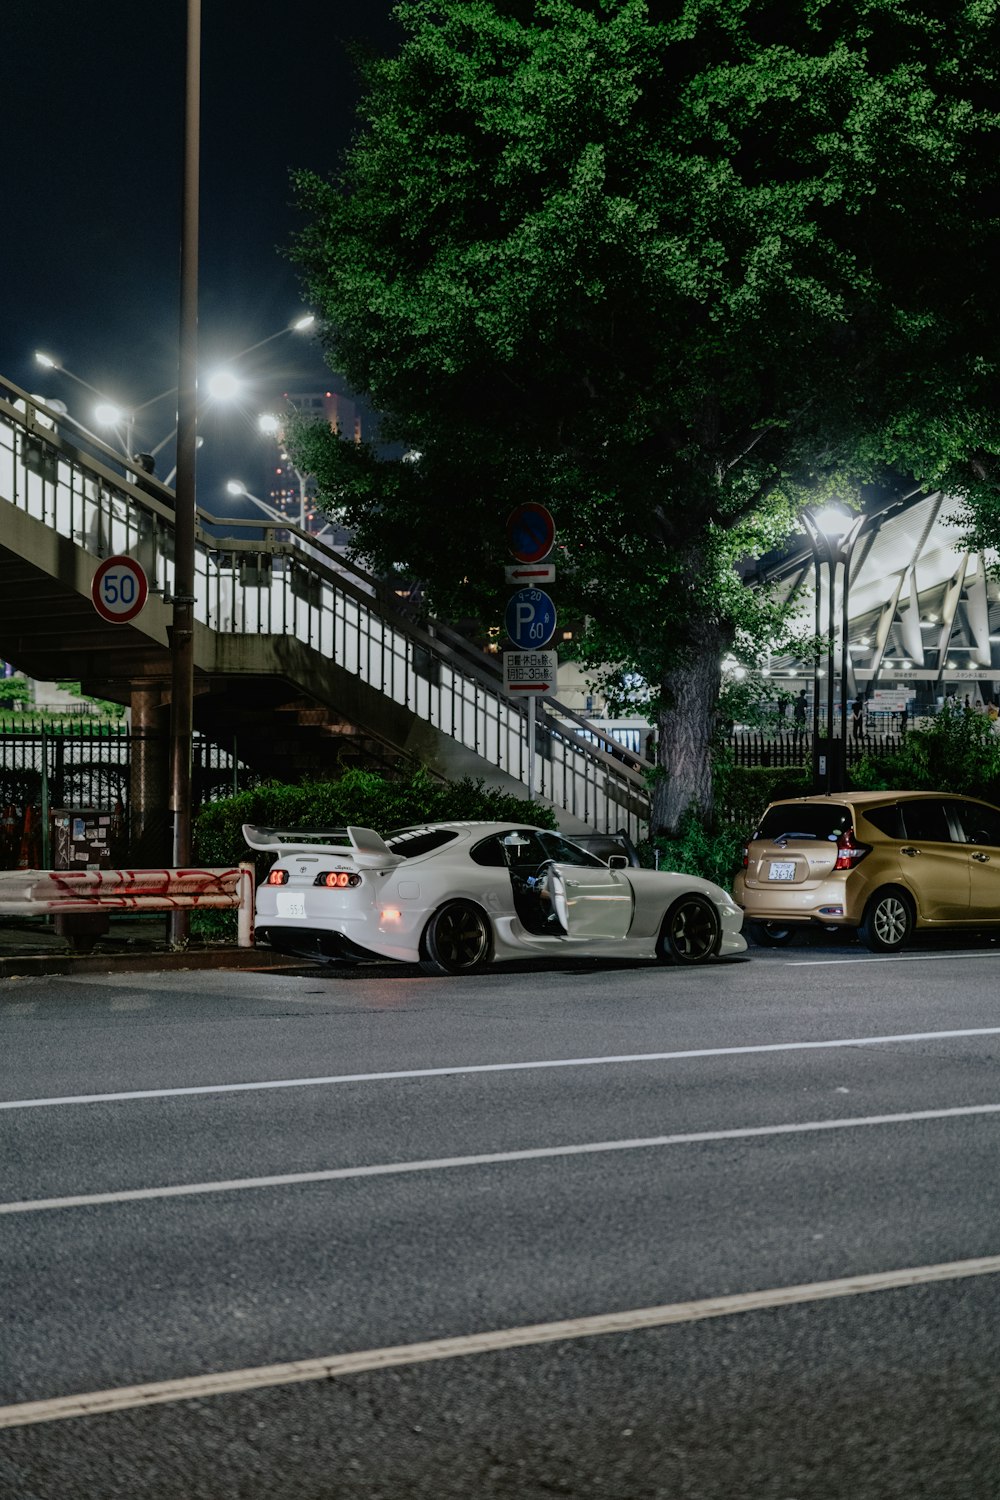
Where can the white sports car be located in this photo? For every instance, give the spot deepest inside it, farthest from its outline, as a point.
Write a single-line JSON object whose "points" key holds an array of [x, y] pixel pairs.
{"points": [[454, 897]]}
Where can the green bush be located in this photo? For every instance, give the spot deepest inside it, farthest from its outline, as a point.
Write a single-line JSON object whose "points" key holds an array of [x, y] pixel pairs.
{"points": [[363, 798], [956, 751], [741, 795]]}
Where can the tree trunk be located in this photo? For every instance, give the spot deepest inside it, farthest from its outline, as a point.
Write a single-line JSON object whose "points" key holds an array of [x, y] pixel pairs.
{"points": [[690, 695]]}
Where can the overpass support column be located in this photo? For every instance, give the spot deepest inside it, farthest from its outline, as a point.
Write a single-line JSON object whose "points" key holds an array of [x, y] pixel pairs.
{"points": [[150, 827]]}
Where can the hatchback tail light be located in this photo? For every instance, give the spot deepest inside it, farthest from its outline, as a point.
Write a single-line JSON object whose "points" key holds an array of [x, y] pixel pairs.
{"points": [[339, 878], [277, 877], [849, 851], [746, 856]]}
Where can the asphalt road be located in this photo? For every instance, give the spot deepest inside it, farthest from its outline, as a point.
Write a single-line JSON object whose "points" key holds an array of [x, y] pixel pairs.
{"points": [[479, 1157]]}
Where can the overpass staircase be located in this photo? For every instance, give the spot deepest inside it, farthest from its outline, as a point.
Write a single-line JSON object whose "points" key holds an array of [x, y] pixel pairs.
{"points": [[302, 659]]}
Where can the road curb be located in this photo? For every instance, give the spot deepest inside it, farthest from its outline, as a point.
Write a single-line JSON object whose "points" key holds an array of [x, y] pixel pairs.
{"points": [[31, 965]]}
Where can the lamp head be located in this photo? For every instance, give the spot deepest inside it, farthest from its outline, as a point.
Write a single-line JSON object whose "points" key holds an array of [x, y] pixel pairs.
{"points": [[224, 385], [833, 521], [108, 415]]}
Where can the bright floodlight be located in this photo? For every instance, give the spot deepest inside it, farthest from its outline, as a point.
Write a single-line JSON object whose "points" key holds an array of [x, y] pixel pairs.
{"points": [[301, 324], [268, 423], [46, 360], [235, 487], [833, 521], [109, 415], [224, 385]]}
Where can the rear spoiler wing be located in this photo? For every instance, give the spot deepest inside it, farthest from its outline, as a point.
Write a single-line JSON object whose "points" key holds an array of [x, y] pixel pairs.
{"points": [[363, 845]]}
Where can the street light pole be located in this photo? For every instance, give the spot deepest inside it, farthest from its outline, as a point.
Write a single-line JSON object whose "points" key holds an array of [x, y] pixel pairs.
{"points": [[182, 628], [833, 534]]}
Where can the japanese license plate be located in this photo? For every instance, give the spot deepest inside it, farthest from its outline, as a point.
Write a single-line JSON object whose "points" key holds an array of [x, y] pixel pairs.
{"points": [[782, 869], [291, 904]]}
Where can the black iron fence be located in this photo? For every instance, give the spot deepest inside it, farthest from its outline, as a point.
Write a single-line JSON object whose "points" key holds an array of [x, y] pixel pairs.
{"points": [[794, 747], [68, 773]]}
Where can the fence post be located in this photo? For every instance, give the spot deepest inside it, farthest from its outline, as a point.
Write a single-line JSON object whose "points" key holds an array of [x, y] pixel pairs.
{"points": [[46, 820], [244, 916]]}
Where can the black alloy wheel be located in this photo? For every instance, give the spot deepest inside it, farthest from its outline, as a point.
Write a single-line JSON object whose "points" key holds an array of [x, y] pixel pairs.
{"points": [[456, 940], [691, 931]]}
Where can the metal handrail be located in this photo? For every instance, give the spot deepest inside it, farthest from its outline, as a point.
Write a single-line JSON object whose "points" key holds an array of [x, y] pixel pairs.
{"points": [[286, 583]]}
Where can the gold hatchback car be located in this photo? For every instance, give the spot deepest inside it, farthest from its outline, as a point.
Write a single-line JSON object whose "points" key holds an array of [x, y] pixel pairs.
{"points": [[883, 863]]}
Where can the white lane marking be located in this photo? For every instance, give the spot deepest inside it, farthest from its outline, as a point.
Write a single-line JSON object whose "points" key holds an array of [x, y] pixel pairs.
{"points": [[486, 1159], [459, 1069], [331, 1367], [882, 958]]}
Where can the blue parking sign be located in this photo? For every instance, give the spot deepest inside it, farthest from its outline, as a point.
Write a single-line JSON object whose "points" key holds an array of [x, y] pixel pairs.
{"points": [[530, 619]]}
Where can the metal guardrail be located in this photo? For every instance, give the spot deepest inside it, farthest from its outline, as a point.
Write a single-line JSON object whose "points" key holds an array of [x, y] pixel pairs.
{"points": [[76, 897], [283, 582]]}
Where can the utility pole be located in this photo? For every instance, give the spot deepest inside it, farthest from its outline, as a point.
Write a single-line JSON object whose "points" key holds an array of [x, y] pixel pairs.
{"points": [[182, 628]]}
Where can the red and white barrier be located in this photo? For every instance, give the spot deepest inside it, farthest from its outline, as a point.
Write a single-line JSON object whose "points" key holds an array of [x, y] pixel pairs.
{"points": [[35, 893]]}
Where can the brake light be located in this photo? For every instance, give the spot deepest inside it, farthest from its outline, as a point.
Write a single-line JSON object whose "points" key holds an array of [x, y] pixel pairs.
{"points": [[746, 856], [849, 851], [277, 877], [338, 878]]}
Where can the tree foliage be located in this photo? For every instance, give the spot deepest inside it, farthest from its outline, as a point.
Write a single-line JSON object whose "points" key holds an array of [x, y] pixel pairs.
{"points": [[672, 268], [956, 751]]}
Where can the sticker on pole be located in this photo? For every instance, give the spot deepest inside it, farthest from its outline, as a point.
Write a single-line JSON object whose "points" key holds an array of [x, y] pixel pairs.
{"points": [[529, 673], [531, 532], [119, 589], [530, 619]]}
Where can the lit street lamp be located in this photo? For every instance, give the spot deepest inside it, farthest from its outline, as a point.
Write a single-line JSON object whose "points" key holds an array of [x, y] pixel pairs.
{"points": [[833, 533], [107, 413], [270, 426], [223, 385]]}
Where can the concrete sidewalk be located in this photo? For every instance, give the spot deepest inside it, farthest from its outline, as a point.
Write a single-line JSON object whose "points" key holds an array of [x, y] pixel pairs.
{"points": [[29, 946]]}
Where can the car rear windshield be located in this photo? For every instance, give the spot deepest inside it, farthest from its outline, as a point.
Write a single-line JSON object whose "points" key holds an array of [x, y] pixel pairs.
{"points": [[409, 842], [804, 820]]}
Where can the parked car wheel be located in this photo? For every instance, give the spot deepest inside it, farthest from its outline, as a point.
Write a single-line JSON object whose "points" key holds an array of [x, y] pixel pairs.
{"points": [[888, 921], [691, 931], [456, 940], [769, 934]]}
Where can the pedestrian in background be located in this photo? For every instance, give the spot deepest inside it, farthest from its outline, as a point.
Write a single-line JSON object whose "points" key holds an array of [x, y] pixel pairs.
{"points": [[858, 717]]}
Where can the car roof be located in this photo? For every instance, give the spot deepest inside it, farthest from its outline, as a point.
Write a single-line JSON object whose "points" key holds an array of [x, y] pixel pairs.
{"points": [[862, 798]]}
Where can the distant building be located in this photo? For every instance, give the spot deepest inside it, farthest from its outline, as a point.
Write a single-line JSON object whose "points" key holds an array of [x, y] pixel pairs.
{"points": [[287, 490]]}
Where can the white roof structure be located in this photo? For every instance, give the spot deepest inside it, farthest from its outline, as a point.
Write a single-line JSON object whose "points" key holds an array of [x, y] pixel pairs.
{"points": [[924, 611]]}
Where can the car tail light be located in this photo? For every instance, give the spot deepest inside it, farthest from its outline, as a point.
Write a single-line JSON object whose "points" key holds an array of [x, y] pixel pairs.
{"points": [[746, 856], [339, 878], [277, 877], [849, 851]]}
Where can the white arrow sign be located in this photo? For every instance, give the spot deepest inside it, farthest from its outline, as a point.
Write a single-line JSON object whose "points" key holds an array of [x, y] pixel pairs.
{"points": [[530, 573]]}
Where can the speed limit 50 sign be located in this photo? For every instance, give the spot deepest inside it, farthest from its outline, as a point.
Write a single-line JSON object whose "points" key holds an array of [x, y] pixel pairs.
{"points": [[119, 589]]}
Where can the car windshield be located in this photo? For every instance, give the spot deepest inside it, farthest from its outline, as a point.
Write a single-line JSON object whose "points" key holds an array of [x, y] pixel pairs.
{"points": [[409, 842], [804, 820]]}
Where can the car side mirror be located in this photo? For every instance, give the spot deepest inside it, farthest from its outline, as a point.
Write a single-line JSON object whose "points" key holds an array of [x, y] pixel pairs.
{"points": [[617, 861]]}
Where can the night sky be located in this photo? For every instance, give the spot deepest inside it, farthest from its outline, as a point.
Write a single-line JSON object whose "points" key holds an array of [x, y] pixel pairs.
{"points": [[89, 254]]}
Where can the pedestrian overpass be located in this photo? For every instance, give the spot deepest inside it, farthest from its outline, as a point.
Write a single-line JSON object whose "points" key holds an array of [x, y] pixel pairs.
{"points": [[302, 659]]}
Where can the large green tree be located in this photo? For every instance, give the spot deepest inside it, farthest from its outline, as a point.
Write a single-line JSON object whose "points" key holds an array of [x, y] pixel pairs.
{"points": [[670, 268]]}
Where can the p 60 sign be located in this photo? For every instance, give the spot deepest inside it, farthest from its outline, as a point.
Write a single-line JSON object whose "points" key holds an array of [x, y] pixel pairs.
{"points": [[119, 589]]}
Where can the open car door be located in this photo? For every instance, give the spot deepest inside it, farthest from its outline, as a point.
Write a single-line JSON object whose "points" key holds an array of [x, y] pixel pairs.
{"points": [[590, 902]]}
